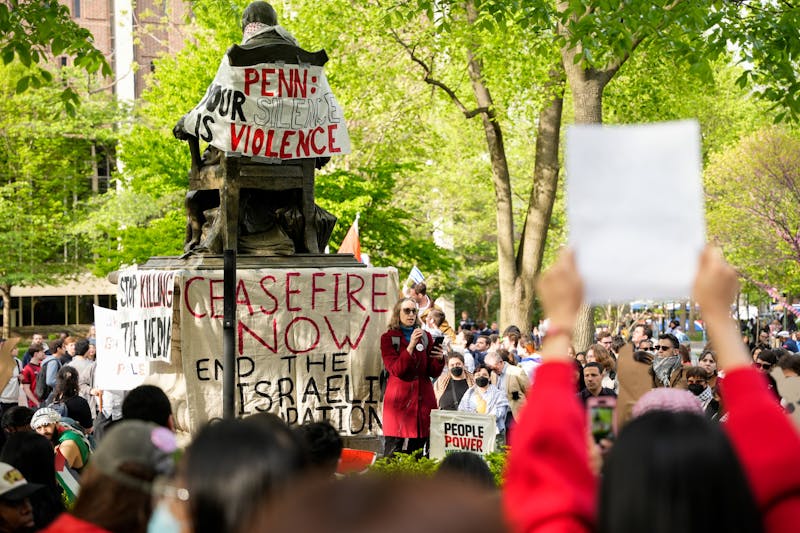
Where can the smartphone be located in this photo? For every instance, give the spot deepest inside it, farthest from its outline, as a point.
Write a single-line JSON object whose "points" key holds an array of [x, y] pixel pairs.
{"points": [[437, 341], [601, 411]]}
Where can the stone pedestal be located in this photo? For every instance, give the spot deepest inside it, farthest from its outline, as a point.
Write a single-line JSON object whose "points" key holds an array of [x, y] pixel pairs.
{"points": [[307, 343]]}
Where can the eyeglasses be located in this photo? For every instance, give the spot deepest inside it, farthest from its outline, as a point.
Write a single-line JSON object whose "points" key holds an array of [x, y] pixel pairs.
{"points": [[663, 348], [764, 366], [409, 310]]}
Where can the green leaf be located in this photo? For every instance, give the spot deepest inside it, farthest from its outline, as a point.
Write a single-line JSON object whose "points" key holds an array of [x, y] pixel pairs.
{"points": [[8, 54], [24, 54], [58, 45], [22, 84]]}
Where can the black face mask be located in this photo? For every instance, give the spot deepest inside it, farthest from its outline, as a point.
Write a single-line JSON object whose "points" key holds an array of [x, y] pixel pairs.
{"points": [[481, 381], [696, 388], [457, 371]]}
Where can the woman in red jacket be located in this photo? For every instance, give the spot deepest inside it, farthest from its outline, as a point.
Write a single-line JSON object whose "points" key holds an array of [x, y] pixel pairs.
{"points": [[755, 456], [412, 360]]}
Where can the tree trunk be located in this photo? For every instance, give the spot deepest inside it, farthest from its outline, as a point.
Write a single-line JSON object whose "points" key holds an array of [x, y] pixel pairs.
{"points": [[5, 292], [518, 307], [587, 93], [587, 86], [516, 273], [504, 216]]}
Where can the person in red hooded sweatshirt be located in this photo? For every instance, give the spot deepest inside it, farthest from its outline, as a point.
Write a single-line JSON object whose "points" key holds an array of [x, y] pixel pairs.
{"points": [[666, 470]]}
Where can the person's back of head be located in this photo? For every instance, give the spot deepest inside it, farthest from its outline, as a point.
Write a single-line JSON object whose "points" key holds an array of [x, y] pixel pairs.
{"points": [[369, 504], [81, 347], [32, 455], [323, 446], [437, 315], [790, 362], [117, 487], [670, 472], [685, 353], [469, 338], [17, 418], [148, 403], [467, 467], [513, 332], [617, 342], [420, 288], [261, 12], [234, 466], [66, 383], [56, 345]]}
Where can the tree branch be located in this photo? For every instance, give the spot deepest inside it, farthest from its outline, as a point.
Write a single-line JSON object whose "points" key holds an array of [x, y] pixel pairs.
{"points": [[430, 80], [636, 40]]}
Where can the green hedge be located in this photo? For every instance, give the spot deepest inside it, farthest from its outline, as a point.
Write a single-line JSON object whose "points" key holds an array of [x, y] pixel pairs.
{"points": [[416, 464]]}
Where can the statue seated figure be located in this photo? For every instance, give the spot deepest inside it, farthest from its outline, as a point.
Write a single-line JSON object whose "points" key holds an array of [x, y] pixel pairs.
{"points": [[269, 119]]}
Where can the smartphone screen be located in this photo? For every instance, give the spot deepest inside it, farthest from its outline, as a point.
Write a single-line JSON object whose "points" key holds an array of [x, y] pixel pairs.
{"points": [[601, 417]]}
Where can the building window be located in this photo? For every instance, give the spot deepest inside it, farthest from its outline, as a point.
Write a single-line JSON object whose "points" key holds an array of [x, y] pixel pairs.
{"points": [[76, 8], [63, 60]]}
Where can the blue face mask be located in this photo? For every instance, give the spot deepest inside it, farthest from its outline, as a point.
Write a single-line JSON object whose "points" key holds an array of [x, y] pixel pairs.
{"points": [[162, 520]]}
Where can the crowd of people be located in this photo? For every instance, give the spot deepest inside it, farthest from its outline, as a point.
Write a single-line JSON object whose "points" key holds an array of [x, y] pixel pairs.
{"points": [[693, 434]]}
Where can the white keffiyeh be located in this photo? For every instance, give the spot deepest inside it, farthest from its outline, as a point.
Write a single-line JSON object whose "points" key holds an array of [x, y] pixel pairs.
{"points": [[257, 28]]}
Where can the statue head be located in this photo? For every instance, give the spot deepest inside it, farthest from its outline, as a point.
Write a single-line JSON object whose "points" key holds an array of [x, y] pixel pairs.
{"points": [[259, 12]]}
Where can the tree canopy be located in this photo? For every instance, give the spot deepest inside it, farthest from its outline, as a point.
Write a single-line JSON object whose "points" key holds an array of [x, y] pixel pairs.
{"points": [[35, 33], [47, 158], [753, 192], [454, 112]]}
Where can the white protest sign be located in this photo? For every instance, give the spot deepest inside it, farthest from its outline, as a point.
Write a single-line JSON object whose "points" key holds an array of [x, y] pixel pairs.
{"points": [[272, 110], [638, 186], [144, 313], [114, 371], [459, 431], [307, 344]]}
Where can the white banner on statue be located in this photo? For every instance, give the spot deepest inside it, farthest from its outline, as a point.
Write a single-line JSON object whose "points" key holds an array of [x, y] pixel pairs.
{"points": [[272, 110], [459, 431], [307, 344], [114, 371], [144, 314]]}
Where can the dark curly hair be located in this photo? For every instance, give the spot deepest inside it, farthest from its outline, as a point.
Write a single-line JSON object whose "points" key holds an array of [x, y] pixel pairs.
{"points": [[66, 383]]}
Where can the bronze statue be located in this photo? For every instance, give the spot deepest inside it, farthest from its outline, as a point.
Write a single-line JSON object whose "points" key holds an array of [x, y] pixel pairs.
{"points": [[270, 119]]}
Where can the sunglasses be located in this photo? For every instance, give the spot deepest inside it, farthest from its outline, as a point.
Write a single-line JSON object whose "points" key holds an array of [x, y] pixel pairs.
{"points": [[664, 348], [764, 366], [409, 310]]}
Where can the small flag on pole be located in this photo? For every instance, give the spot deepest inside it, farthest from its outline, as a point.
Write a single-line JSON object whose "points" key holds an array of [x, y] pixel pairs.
{"points": [[416, 275], [351, 244]]}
